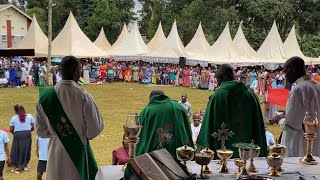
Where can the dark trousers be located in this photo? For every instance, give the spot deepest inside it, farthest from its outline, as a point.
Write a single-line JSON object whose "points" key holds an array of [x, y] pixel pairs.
{"points": [[2, 163]]}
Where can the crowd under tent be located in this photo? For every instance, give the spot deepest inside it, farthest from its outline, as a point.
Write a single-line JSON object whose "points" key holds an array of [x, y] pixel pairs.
{"points": [[71, 41], [170, 50], [271, 51], [131, 48], [247, 55], [196, 48], [223, 51], [157, 39], [102, 42], [124, 33], [34, 39]]}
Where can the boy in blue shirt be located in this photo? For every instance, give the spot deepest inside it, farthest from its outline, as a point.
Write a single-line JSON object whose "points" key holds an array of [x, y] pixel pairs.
{"points": [[42, 153], [4, 150]]}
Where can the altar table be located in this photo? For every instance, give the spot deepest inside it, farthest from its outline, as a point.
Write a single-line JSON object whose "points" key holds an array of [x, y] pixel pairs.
{"points": [[291, 165]]}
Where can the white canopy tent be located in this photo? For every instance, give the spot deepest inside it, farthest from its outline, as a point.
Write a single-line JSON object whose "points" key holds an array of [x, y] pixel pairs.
{"points": [[124, 33], [157, 39], [247, 55], [102, 42], [132, 47], [291, 48], [271, 51], [195, 50], [170, 50], [34, 39], [223, 51], [71, 41]]}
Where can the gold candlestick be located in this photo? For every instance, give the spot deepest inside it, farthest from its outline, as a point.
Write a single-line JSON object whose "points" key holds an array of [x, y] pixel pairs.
{"points": [[310, 126]]}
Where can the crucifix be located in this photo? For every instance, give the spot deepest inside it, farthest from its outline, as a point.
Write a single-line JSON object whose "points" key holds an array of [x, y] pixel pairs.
{"points": [[223, 134]]}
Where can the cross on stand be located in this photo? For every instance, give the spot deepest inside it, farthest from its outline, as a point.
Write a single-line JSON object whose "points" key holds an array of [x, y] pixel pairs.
{"points": [[223, 134]]}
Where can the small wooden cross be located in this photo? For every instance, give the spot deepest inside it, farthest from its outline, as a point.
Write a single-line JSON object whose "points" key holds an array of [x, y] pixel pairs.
{"points": [[223, 134]]}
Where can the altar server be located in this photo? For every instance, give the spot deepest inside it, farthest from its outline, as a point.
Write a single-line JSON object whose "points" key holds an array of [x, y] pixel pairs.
{"points": [[68, 115], [304, 97]]}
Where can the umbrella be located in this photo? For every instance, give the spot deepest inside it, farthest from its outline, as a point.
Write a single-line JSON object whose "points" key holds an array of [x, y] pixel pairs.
{"points": [[278, 96], [56, 60], [18, 58]]}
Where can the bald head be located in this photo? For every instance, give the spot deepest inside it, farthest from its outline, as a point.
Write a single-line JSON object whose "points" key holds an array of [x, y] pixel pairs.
{"points": [[225, 73], [70, 68], [156, 93], [294, 68]]}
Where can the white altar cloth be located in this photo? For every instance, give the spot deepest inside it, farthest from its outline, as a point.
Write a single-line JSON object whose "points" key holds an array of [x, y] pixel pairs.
{"points": [[292, 167]]}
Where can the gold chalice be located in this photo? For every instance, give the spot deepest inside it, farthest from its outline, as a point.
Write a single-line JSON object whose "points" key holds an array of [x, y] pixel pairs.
{"points": [[239, 163], [255, 152], [185, 153], [208, 151], [310, 126], [245, 153], [224, 154], [274, 161], [279, 149], [203, 159]]}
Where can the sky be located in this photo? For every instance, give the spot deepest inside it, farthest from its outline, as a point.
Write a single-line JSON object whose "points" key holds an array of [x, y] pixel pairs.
{"points": [[137, 6]]}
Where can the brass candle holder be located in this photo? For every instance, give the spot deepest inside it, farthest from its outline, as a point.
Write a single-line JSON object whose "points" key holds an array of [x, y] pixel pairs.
{"points": [[310, 126], [184, 154], [132, 130], [274, 161], [208, 151], [203, 159]]}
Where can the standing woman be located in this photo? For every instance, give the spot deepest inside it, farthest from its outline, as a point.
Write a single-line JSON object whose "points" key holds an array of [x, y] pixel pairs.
{"points": [[21, 126]]}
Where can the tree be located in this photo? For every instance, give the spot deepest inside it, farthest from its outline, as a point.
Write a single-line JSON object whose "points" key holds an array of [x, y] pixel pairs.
{"points": [[4, 2], [41, 16]]}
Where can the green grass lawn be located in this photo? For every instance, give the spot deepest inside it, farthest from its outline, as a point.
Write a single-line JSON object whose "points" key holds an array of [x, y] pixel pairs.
{"points": [[114, 101]]}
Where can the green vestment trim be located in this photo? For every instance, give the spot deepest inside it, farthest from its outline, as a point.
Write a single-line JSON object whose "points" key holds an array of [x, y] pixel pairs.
{"points": [[80, 154]]}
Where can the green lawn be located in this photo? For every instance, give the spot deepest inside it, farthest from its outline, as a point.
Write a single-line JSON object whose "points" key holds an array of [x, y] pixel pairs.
{"points": [[114, 101]]}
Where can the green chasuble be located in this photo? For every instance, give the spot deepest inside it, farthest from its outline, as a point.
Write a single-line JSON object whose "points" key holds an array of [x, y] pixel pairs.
{"points": [[234, 104], [165, 125]]}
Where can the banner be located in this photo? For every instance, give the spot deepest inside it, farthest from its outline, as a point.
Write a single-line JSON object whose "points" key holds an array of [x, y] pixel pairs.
{"points": [[278, 96]]}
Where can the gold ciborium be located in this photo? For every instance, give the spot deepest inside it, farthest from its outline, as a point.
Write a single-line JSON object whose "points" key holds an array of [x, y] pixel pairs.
{"points": [[224, 154], [206, 169], [279, 149], [310, 126], [132, 131], [185, 153], [275, 161], [255, 152], [239, 163], [203, 159]]}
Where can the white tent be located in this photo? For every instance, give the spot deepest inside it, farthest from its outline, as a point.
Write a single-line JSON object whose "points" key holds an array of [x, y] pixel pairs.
{"points": [[71, 41], [124, 33], [291, 48], [223, 51], [195, 50], [157, 39], [35, 39], [271, 51], [170, 50], [102, 42], [132, 47], [247, 55]]}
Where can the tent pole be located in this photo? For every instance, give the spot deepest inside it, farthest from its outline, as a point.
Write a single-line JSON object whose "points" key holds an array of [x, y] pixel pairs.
{"points": [[49, 36]]}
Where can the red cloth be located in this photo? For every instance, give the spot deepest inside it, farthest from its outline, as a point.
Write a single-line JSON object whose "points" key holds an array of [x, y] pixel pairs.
{"points": [[278, 96]]}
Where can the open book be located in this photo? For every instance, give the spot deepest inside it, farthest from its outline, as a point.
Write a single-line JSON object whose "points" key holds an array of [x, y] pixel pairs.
{"points": [[158, 165]]}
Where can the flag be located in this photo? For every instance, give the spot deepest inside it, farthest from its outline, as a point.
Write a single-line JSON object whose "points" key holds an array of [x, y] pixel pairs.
{"points": [[278, 96]]}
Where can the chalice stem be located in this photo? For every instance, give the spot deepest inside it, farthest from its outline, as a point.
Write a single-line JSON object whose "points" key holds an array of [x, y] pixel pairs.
{"points": [[201, 172], [309, 146], [132, 150]]}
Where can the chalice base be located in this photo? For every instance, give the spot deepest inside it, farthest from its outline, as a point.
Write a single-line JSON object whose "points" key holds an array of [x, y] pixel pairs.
{"points": [[223, 169], [274, 173], [207, 172], [253, 169], [202, 177], [309, 160], [243, 173]]}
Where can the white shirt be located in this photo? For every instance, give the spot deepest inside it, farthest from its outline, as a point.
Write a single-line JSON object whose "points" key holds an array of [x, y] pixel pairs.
{"points": [[305, 96], [43, 144], [4, 138], [22, 126], [186, 106], [195, 132], [84, 115], [3, 81], [269, 138]]}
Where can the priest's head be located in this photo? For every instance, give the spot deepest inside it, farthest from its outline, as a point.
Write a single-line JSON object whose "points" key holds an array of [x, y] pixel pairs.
{"points": [[225, 73], [156, 93], [70, 68], [294, 68]]}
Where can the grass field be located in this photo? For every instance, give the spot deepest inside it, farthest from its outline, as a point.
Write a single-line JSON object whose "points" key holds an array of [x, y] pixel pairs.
{"points": [[114, 101]]}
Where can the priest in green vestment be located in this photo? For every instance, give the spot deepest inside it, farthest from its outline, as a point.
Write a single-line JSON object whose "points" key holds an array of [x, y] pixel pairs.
{"points": [[165, 125], [239, 108]]}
